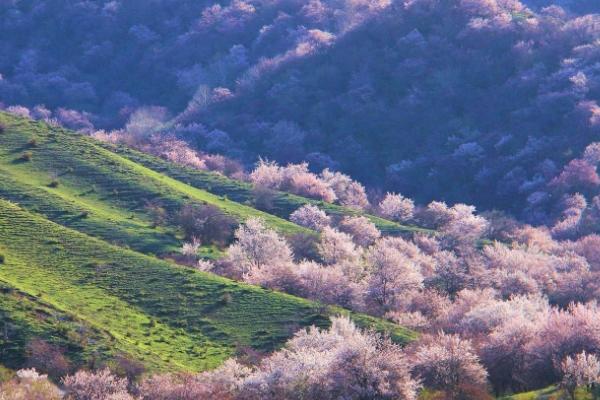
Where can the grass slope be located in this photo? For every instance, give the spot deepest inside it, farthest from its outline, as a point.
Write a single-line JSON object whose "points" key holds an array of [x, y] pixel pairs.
{"points": [[283, 203], [550, 393], [110, 190], [24, 317], [115, 224], [165, 315], [68, 264]]}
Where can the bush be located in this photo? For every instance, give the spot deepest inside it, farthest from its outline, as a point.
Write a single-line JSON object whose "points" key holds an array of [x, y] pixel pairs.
{"points": [[157, 213], [27, 156], [263, 197], [310, 217], [32, 142], [47, 358], [5, 374], [54, 183], [128, 368], [305, 246], [206, 223], [29, 385], [2, 259]]}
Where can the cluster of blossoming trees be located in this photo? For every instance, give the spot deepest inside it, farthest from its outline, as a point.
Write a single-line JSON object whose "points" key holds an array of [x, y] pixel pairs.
{"points": [[503, 315], [521, 310], [322, 81], [341, 362]]}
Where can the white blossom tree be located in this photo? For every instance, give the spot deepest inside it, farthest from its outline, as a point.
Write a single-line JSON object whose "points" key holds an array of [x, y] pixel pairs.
{"points": [[449, 363], [257, 246], [311, 217], [397, 207], [336, 247], [581, 370], [363, 232], [391, 276]]}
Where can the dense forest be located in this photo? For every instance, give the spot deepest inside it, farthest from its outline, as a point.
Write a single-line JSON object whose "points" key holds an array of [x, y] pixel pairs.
{"points": [[485, 101]]}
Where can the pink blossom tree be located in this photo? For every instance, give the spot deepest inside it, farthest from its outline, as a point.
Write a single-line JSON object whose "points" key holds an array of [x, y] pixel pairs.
{"points": [[581, 370], [563, 333], [342, 362], [464, 226], [503, 353], [222, 383], [348, 192], [363, 231], [328, 284], [29, 385], [310, 217], [336, 247], [436, 214], [397, 207], [591, 154], [450, 364], [392, 276], [578, 174], [309, 185], [257, 246], [569, 224], [100, 385], [267, 174]]}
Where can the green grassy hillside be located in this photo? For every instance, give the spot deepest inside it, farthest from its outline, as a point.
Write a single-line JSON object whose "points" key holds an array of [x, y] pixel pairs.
{"points": [[25, 317], [158, 312], [73, 230], [67, 176], [550, 393], [98, 178], [283, 203]]}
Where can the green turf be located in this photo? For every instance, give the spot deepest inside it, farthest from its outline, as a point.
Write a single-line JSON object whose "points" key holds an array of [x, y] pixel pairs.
{"points": [[165, 315], [119, 226], [550, 393], [24, 318]]}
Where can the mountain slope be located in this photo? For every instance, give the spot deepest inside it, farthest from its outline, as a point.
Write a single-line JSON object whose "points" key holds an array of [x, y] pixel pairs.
{"points": [[111, 185], [463, 101], [109, 190], [283, 204], [484, 100], [73, 228], [165, 315], [25, 318]]}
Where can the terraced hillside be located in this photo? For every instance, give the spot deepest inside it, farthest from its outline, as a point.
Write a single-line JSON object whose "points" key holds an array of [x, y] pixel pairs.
{"points": [[73, 230]]}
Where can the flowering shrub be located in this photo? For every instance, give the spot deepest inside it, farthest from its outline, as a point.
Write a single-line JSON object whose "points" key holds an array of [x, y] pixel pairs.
{"points": [[29, 385], [397, 208], [100, 385], [310, 217], [363, 232]]}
